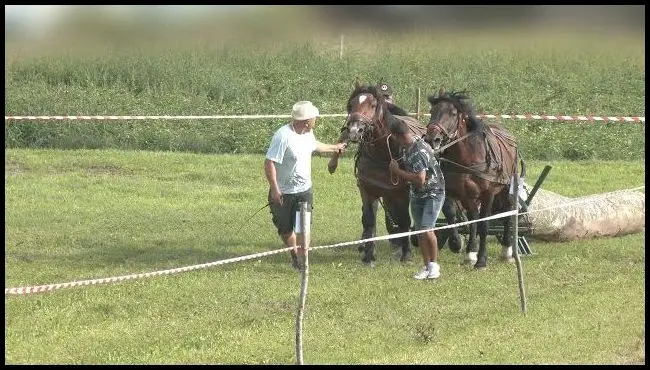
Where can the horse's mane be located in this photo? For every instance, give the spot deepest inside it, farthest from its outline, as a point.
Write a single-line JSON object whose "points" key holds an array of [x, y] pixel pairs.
{"points": [[462, 102]]}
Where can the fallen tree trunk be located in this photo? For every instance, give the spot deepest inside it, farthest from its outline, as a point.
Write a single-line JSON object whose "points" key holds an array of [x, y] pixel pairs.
{"points": [[608, 214]]}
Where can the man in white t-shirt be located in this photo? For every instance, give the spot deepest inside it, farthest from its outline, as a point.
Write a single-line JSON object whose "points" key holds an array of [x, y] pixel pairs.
{"points": [[288, 170]]}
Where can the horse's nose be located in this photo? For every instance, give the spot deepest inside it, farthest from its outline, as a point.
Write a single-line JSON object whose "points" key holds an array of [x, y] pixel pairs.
{"points": [[430, 131], [354, 132], [433, 137]]}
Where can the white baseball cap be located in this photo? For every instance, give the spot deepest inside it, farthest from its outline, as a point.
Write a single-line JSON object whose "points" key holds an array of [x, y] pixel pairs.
{"points": [[304, 110]]}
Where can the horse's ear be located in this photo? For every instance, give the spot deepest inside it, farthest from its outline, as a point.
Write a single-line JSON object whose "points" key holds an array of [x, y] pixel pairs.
{"points": [[357, 83], [441, 92]]}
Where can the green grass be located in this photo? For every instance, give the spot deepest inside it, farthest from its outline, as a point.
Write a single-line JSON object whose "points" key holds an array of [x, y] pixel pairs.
{"points": [[75, 215], [505, 72]]}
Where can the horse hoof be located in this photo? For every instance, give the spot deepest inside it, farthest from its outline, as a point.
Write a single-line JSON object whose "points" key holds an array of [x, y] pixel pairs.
{"points": [[370, 264], [468, 263], [456, 245], [508, 259], [406, 258], [480, 266]]}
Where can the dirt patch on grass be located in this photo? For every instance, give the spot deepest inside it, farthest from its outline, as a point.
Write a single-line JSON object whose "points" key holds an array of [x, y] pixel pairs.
{"points": [[635, 355], [14, 167], [107, 170]]}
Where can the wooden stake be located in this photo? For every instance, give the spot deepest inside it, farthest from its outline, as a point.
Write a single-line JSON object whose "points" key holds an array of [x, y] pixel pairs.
{"points": [[303, 236], [515, 243], [418, 114]]}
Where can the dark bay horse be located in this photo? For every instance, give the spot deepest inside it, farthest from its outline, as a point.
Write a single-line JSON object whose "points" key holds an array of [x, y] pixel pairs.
{"points": [[367, 125], [478, 163]]}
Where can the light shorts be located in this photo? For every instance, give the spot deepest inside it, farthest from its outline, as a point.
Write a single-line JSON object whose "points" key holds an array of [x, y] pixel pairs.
{"points": [[425, 211]]}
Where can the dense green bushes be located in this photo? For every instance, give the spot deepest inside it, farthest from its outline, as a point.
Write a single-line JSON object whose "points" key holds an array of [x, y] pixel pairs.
{"points": [[268, 80]]}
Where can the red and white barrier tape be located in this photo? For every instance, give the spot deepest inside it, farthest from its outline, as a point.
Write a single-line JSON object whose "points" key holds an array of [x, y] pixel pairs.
{"points": [[257, 116], [51, 287], [563, 118]]}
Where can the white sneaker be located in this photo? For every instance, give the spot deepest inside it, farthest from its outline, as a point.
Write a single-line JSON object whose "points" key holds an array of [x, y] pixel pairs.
{"points": [[434, 273], [422, 274]]}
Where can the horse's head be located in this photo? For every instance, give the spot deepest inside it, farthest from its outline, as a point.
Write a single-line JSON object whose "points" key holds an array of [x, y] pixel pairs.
{"points": [[446, 116], [366, 107]]}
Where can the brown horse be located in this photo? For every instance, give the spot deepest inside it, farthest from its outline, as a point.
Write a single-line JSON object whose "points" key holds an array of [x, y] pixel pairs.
{"points": [[478, 162], [367, 125]]}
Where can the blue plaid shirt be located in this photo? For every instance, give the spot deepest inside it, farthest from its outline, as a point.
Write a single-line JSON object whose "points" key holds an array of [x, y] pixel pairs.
{"points": [[419, 156]]}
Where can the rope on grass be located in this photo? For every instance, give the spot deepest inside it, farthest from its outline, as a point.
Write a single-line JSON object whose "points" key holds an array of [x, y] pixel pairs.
{"points": [[52, 287]]}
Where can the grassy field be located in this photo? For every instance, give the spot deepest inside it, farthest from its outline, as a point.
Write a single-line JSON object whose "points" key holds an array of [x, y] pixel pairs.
{"points": [[505, 72], [75, 215]]}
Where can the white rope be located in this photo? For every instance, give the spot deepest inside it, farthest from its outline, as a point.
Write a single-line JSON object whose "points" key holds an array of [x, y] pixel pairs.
{"points": [[51, 287]]}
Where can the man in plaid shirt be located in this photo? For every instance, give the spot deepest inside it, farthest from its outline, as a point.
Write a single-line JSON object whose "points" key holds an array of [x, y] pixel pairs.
{"points": [[427, 193]]}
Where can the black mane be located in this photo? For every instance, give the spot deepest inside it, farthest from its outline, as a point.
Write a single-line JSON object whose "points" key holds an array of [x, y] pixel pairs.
{"points": [[462, 102]]}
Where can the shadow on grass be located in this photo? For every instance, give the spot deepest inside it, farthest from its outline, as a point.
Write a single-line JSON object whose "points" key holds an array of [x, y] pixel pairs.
{"points": [[133, 257]]}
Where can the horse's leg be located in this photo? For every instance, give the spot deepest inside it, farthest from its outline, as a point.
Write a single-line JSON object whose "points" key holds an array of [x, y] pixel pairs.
{"points": [[482, 229], [334, 161], [450, 213], [506, 242], [372, 204], [399, 210], [369, 222], [450, 209], [471, 255], [391, 227]]}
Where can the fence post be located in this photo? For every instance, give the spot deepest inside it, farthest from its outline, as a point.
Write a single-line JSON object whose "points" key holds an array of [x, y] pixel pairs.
{"points": [[417, 104], [341, 48], [303, 236], [514, 194]]}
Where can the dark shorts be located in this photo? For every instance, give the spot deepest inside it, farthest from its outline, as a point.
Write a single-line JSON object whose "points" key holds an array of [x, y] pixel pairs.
{"points": [[425, 211], [284, 216]]}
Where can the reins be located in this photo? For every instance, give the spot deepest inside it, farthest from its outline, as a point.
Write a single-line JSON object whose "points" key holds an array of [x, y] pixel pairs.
{"points": [[469, 170], [441, 149], [251, 217], [392, 175]]}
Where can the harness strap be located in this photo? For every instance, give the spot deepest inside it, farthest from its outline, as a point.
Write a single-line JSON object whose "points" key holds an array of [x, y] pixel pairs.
{"points": [[442, 149]]}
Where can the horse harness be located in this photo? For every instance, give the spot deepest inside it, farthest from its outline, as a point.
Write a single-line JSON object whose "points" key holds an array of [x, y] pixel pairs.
{"points": [[491, 169], [364, 146]]}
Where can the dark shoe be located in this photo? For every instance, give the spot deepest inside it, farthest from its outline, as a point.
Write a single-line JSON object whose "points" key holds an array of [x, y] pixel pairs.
{"points": [[406, 258]]}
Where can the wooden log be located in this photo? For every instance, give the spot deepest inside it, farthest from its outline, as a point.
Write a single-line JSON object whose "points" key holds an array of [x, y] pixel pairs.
{"points": [[607, 214]]}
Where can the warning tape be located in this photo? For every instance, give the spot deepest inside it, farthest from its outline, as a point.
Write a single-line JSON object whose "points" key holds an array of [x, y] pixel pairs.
{"points": [[51, 287], [636, 119]]}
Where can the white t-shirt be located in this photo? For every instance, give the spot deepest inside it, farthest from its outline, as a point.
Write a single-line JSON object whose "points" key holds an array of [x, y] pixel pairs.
{"points": [[291, 154]]}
